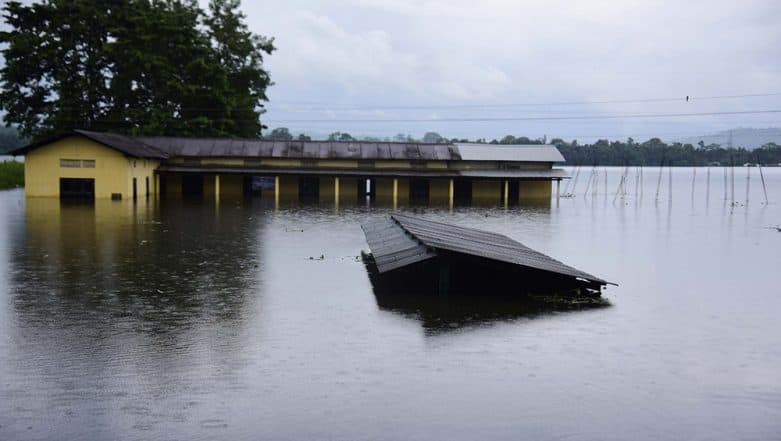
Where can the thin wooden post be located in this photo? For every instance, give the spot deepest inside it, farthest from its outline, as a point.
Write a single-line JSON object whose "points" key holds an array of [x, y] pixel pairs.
{"points": [[732, 180], [762, 176]]}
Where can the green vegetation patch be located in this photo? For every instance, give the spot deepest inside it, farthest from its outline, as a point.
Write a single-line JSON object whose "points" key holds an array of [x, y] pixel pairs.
{"points": [[11, 174]]}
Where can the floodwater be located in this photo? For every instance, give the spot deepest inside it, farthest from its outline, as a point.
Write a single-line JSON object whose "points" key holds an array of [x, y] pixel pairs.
{"points": [[195, 321]]}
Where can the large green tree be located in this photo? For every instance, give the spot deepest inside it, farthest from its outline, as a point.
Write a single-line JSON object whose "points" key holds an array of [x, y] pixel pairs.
{"points": [[132, 66]]}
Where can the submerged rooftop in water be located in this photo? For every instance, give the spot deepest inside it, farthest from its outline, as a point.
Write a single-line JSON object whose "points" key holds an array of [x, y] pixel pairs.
{"points": [[477, 257]]}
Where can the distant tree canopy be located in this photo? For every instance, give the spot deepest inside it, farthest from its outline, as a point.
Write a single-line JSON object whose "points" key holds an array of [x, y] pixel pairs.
{"points": [[340, 136], [280, 134], [654, 151], [9, 139], [162, 67]]}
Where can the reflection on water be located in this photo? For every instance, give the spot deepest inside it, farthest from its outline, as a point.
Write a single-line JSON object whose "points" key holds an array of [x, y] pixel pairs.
{"points": [[458, 312], [182, 319], [165, 264]]}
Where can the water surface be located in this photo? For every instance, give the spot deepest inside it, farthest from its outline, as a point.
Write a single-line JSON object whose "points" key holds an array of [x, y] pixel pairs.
{"points": [[183, 320]]}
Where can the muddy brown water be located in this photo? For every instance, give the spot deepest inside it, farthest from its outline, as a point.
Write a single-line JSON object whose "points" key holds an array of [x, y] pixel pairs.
{"points": [[182, 320]]}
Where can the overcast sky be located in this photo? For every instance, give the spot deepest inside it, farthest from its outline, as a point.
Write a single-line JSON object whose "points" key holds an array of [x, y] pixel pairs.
{"points": [[364, 59]]}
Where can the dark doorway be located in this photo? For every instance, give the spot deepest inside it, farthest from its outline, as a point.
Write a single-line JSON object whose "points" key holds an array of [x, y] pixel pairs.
{"points": [[163, 190], [309, 189], [514, 192], [76, 188], [418, 191], [192, 185], [254, 186], [135, 189], [462, 192]]}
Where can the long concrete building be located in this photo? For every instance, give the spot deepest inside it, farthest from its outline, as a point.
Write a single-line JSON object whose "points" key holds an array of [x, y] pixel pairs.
{"points": [[85, 164]]}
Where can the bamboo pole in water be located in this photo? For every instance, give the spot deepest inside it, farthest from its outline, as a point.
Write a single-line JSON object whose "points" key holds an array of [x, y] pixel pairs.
{"points": [[670, 180], [732, 181], [694, 179], [642, 181], [724, 169], [748, 182], [588, 184], [659, 181], [575, 181], [707, 187], [569, 182], [637, 181], [762, 176], [618, 190]]}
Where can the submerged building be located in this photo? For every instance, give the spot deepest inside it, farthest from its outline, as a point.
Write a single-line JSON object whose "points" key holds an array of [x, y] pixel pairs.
{"points": [[85, 164]]}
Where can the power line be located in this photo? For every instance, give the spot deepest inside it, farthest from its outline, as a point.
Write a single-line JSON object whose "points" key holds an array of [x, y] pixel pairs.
{"points": [[528, 118], [691, 98]]}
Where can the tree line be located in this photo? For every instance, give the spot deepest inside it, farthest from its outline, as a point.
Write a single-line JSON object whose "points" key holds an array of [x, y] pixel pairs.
{"points": [[155, 67]]}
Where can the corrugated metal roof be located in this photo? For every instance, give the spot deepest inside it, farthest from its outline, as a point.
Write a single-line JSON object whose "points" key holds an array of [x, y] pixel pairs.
{"points": [[301, 149], [510, 152], [165, 146], [392, 247], [125, 144], [488, 245]]}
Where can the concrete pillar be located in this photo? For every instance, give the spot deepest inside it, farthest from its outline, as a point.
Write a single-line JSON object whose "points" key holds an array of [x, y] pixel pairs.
{"points": [[395, 193], [276, 192], [156, 190], [451, 193], [217, 188], [336, 192], [558, 188], [506, 193]]}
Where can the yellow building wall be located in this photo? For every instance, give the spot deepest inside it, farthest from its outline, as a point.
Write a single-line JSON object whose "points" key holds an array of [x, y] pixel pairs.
{"points": [[288, 188], [403, 191], [348, 190], [383, 190], [439, 191], [141, 169], [534, 190], [42, 171], [231, 186], [327, 189], [487, 192]]}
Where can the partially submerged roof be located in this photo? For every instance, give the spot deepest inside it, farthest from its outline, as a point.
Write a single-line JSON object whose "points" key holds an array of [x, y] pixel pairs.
{"points": [[125, 144], [400, 240]]}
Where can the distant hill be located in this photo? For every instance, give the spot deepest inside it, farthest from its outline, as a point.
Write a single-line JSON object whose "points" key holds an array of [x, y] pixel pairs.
{"points": [[741, 137]]}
